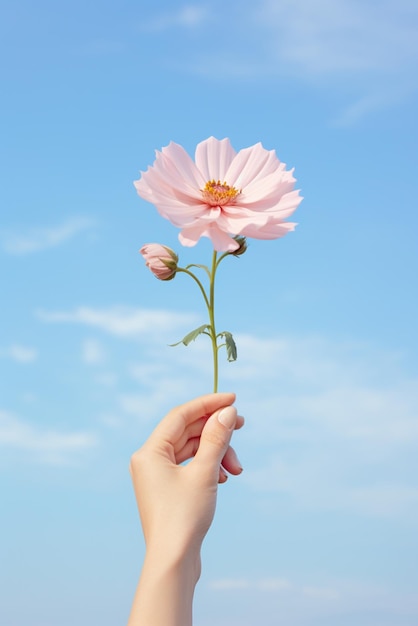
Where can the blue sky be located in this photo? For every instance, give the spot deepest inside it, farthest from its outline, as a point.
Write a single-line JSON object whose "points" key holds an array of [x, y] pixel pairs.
{"points": [[321, 529]]}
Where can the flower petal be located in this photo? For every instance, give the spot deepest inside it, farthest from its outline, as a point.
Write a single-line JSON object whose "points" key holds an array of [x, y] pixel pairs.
{"points": [[271, 187], [282, 208], [266, 195], [213, 158], [270, 231], [190, 235], [176, 155], [249, 164], [237, 224], [222, 242], [173, 173]]}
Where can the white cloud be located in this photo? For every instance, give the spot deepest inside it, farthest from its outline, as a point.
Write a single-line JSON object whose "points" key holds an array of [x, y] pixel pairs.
{"points": [[121, 321], [274, 585], [20, 354], [49, 446], [365, 51], [335, 427], [386, 417], [107, 379], [92, 352], [155, 400], [325, 600], [321, 481], [226, 584], [134, 404], [386, 499], [245, 600], [321, 593], [365, 47], [348, 391], [381, 98], [334, 36], [115, 422], [189, 16], [264, 584], [167, 376], [38, 239]]}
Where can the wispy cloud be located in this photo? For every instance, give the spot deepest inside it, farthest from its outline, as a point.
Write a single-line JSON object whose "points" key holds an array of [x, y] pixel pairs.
{"points": [[39, 239], [370, 49], [367, 52], [317, 602], [93, 352], [264, 584], [380, 98], [355, 391], [19, 353], [342, 419], [120, 321], [353, 415], [152, 402], [188, 16], [48, 446], [339, 417], [329, 600], [327, 483], [343, 36]]}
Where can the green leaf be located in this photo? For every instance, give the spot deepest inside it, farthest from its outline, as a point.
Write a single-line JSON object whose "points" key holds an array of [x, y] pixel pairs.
{"points": [[191, 336], [231, 348]]}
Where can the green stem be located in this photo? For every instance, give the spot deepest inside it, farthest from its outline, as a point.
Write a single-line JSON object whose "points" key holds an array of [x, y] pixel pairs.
{"points": [[186, 271], [210, 305], [211, 311], [221, 258]]}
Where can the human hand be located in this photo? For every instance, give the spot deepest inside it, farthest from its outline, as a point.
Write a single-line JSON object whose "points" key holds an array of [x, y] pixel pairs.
{"points": [[177, 502]]}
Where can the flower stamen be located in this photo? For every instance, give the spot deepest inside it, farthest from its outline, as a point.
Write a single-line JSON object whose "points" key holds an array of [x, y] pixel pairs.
{"points": [[216, 193]]}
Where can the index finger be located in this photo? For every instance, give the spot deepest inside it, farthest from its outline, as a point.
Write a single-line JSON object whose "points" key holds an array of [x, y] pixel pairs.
{"points": [[172, 427]]}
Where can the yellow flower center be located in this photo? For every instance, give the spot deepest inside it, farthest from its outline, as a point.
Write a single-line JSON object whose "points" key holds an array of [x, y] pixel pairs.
{"points": [[216, 193]]}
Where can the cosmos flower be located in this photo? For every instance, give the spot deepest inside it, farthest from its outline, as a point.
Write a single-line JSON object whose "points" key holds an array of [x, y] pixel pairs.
{"points": [[161, 260], [222, 193]]}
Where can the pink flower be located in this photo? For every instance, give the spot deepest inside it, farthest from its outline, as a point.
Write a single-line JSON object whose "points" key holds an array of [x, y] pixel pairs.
{"points": [[222, 194], [162, 261]]}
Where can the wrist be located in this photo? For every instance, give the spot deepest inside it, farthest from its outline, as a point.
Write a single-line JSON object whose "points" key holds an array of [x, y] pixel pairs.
{"points": [[165, 592], [184, 561]]}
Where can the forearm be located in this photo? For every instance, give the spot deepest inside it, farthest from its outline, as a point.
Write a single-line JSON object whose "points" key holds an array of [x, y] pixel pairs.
{"points": [[164, 596], [177, 501]]}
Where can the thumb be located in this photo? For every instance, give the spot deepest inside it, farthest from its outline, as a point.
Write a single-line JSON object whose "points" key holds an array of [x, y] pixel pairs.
{"points": [[215, 438]]}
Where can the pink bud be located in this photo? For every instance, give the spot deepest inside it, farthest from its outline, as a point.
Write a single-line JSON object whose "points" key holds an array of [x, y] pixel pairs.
{"points": [[162, 261]]}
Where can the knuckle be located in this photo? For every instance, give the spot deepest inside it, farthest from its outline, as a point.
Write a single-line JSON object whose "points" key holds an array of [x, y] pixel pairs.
{"points": [[136, 461]]}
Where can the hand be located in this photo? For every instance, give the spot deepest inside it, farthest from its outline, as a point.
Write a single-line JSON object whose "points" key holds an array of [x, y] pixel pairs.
{"points": [[177, 502]]}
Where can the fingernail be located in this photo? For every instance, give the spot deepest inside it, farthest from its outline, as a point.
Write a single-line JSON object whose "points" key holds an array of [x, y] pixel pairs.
{"points": [[228, 416]]}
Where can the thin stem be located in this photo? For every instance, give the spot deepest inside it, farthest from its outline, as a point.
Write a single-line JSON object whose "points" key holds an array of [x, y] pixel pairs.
{"points": [[201, 267], [221, 258], [210, 305], [211, 310], [202, 289]]}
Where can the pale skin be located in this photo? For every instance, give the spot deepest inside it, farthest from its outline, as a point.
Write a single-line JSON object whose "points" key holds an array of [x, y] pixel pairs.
{"points": [[177, 503]]}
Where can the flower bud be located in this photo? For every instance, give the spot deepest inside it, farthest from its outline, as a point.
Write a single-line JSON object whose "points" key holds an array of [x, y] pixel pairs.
{"points": [[242, 245], [162, 261]]}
